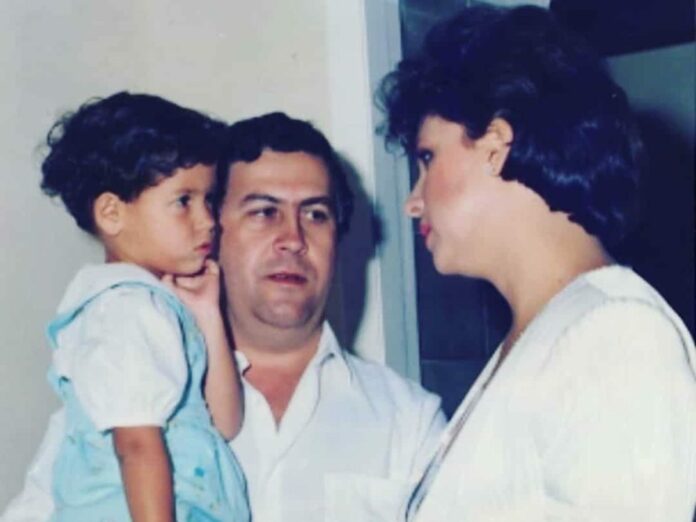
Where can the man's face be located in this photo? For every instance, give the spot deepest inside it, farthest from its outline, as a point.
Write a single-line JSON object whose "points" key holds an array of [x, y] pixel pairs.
{"points": [[277, 243]]}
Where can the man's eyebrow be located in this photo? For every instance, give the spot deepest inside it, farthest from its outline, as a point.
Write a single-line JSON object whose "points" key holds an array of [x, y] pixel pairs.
{"points": [[316, 200], [307, 202], [254, 196]]}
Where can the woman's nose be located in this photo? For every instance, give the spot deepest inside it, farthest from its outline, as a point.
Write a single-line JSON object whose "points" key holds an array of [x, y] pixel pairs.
{"points": [[413, 207]]}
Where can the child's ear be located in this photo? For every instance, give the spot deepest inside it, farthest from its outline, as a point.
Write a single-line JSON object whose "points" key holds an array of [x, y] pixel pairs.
{"points": [[109, 213]]}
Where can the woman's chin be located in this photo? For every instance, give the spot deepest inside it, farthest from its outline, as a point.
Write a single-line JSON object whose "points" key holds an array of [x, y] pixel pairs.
{"points": [[452, 265], [442, 263]]}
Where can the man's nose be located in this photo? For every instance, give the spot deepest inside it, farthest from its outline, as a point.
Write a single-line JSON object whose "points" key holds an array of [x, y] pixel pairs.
{"points": [[291, 237]]}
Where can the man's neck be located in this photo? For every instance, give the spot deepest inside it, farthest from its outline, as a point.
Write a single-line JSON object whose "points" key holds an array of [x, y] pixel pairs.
{"points": [[277, 347], [275, 367]]}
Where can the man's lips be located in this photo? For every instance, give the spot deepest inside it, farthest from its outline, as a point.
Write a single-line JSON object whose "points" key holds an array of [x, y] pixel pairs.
{"points": [[289, 278]]}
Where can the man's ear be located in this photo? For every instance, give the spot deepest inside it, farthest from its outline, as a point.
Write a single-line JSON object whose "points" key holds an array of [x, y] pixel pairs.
{"points": [[497, 140], [109, 213]]}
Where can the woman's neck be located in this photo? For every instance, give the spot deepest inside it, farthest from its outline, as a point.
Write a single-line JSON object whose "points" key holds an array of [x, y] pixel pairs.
{"points": [[530, 279]]}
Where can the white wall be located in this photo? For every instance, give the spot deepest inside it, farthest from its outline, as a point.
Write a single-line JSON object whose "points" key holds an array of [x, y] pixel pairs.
{"points": [[232, 58]]}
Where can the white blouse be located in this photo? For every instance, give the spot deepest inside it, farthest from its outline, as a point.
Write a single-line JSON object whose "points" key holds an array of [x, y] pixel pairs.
{"points": [[592, 416], [123, 353]]}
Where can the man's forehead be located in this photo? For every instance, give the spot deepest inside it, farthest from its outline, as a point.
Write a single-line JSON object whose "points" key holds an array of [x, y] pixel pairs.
{"points": [[286, 176]]}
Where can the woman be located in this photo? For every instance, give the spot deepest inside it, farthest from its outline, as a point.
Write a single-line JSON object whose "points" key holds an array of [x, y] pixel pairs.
{"points": [[529, 165]]}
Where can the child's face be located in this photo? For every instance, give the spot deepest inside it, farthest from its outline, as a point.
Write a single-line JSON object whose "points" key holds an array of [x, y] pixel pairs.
{"points": [[168, 228]]}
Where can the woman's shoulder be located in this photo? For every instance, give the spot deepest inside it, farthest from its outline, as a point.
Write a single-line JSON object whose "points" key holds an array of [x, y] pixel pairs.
{"points": [[623, 283], [620, 298], [609, 315], [612, 296], [617, 314]]}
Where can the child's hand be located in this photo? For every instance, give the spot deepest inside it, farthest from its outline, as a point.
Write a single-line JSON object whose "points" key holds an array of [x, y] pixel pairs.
{"points": [[222, 389], [200, 292]]}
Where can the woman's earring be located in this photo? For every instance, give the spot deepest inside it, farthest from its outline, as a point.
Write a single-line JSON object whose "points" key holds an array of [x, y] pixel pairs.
{"points": [[488, 169]]}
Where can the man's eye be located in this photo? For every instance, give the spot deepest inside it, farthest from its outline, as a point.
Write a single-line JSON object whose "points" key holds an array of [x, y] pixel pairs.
{"points": [[264, 212], [317, 215]]}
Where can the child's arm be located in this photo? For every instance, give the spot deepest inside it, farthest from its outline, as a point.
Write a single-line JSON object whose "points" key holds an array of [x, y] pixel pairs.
{"points": [[222, 387], [146, 472]]}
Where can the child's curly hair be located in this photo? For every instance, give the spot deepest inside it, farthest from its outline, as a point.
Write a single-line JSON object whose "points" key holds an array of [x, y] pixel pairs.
{"points": [[123, 144]]}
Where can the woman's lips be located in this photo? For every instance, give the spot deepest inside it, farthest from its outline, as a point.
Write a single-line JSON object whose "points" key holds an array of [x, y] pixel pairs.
{"points": [[424, 229]]}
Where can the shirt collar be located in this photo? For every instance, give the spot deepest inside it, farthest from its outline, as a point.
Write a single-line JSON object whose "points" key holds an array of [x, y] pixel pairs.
{"points": [[242, 361], [328, 350], [92, 279]]}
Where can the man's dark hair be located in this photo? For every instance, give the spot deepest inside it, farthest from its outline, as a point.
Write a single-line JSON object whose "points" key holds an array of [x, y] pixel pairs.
{"points": [[247, 139], [123, 144], [575, 142]]}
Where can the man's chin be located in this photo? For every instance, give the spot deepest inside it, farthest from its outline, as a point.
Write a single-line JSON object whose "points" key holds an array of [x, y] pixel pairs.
{"points": [[287, 315]]}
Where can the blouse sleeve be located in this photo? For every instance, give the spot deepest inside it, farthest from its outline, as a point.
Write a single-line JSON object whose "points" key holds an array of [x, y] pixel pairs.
{"points": [[129, 368], [624, 411]]}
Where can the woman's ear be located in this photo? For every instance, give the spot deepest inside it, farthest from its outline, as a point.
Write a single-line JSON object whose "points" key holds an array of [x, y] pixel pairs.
{"points": [[497, 140], [109, 213]]}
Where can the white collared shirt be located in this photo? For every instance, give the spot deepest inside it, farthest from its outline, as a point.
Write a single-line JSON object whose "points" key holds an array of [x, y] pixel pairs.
{"points": [[353, 435]]}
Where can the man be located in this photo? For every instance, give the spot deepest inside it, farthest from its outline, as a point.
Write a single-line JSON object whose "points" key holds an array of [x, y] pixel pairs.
{"points": [[326, 436]]}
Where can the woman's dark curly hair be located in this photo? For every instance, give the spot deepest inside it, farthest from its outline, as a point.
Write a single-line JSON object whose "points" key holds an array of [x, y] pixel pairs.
{"points": [[123, 144], [247, 139], [575, 142]]}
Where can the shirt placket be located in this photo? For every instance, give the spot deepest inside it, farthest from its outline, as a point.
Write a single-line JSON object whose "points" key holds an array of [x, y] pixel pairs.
{"points": [[274, 442]]}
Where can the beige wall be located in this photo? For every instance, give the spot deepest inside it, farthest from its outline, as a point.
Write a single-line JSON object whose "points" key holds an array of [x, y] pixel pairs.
{"points": [[232, 58]]}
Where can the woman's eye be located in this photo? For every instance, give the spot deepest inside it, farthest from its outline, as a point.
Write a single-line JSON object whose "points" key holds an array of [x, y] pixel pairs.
{"points": [[183, 201], [424, 157]]}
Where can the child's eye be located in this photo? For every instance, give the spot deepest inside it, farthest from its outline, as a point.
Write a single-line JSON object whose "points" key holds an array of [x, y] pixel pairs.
{"points": [[183, 201]]}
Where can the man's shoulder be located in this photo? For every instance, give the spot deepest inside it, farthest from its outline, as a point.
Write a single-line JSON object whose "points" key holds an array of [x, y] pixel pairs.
{"points": [[380, 380], [400, 403]]}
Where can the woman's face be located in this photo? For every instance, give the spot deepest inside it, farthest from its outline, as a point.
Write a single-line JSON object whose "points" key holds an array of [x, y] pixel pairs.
{"points": [[457, 196]]}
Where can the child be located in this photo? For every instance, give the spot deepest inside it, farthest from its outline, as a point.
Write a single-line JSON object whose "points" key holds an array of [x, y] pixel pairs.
{"points": [[129, 359]]}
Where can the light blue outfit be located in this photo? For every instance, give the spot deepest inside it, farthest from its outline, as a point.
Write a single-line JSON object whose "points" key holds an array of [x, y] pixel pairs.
{"points": [[208, 483]]}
